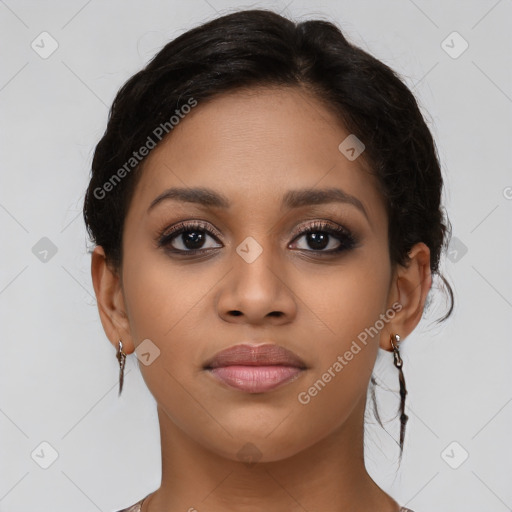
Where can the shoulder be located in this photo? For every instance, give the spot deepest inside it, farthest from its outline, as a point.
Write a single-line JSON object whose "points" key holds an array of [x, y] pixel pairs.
{"points": [[137, 506], [134, 508]]}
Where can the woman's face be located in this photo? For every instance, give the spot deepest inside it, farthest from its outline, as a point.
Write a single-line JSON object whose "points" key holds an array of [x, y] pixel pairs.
{"points": [[265, 157]]}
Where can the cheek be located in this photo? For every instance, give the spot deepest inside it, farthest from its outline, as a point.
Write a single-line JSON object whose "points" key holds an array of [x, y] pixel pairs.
{"points": [[162, 297], [344, 356], [344, 301], [163, 301], [172, 306], [345, 310]]}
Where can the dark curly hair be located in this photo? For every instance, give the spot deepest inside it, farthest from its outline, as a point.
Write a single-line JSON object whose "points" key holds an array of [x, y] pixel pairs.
{"points": [[253, 48]]}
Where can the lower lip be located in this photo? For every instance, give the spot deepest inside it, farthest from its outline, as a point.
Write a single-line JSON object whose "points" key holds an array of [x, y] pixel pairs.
{"points": [[255, 379]]}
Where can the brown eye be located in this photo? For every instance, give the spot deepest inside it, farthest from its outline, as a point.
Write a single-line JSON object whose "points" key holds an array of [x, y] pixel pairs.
{"points": [[187, 238], [322, 235]]}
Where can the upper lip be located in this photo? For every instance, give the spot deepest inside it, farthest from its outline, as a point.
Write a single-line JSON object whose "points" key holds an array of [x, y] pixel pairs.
{"points": [[246, 354]]}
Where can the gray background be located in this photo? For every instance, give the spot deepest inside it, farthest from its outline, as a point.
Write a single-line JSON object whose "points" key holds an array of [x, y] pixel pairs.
{"points": [[58, 371]]}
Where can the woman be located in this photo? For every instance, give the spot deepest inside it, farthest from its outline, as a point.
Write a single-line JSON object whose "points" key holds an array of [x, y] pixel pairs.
{"points": [[265, 204]]}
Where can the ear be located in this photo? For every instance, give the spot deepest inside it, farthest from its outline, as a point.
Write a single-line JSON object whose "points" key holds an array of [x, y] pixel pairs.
{"points": [[111, 305], [409, 288]]}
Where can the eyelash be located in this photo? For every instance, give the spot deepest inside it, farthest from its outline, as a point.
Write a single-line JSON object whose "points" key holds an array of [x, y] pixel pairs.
{"points": [[345, 237]]}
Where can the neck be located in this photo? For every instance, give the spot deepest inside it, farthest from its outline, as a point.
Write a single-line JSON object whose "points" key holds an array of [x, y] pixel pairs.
{"points": [[331, 471]]}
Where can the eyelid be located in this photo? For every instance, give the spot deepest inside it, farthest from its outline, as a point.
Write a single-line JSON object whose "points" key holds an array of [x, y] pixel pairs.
{"points": [[321, 224], [189, 224], [334, 229], [207, 226]]}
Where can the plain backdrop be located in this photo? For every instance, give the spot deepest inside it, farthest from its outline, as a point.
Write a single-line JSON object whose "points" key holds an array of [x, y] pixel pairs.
{"points": [[62, 64]]}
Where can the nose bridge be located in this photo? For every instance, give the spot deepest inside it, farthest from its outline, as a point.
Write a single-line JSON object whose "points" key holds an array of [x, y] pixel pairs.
{"points": [[256, 265], [256, 286]]}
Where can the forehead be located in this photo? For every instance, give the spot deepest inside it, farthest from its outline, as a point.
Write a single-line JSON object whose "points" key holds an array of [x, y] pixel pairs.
{"points": [[257, 144]]}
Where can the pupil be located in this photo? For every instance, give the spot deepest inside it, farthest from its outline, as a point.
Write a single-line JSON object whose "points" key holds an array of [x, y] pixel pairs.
{"points": [[318, 240], [193, 238]]}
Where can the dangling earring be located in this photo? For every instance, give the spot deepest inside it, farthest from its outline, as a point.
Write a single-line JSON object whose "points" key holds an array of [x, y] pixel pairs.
{"points": [[403, 390], [121, 357]]}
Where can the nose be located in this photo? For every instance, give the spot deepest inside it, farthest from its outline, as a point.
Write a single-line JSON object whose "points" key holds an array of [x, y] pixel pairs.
{"points": [[257, 292]]}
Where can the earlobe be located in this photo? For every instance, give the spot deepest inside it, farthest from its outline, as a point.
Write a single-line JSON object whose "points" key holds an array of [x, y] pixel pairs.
{"points": [[110, 300], [411, 285]]}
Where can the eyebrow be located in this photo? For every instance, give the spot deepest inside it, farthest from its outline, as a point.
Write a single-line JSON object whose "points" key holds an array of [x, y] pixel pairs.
{"points": [[291, 199]]}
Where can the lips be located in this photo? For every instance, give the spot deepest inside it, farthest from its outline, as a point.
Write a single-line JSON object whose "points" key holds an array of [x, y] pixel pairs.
{"points": [[255, 368], [255, 355]]}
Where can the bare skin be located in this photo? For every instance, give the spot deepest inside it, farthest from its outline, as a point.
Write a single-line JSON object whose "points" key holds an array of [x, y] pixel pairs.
{"points": [[252, 149]]}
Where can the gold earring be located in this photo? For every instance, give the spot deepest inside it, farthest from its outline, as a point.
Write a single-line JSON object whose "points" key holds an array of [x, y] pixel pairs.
{"points": [[121, 357]]}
